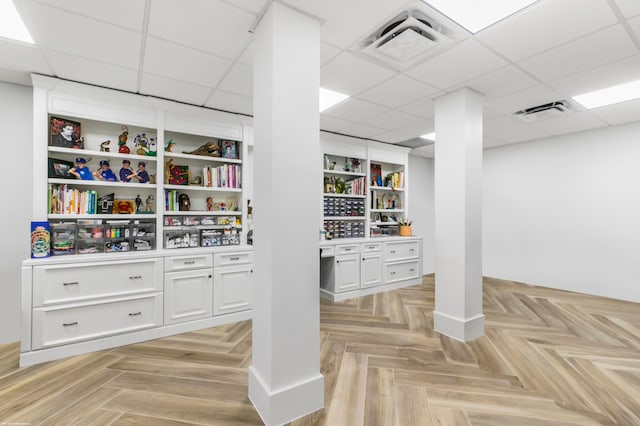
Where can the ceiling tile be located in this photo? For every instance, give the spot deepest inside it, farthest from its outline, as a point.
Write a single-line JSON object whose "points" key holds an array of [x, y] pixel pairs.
{"points": [[424, 107], [635, 25], [210, 26], [394, 120], [167, 59], [345, 22], [545, 25], [501, 82], [333, 124], [82, 36], [629, 7], [355, 110], [22, 57], [463, 62], [93, 72], [230, 102], [572, 122], [536, 95], [424, 151], [518, 133], [253, 6], [351, 75], [15, 77], [625, 112], [596, 49], [362, 131], [611, 74], [124, 13], [491, 143], [491, 125], [162, 87], [327, 53], [394, 137], [247, 56], [239, 80], [399, 90]]}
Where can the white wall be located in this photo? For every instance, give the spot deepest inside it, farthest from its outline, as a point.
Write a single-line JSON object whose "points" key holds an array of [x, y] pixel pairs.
{"points": [[15, 215], [564, 212], [421, 199]]}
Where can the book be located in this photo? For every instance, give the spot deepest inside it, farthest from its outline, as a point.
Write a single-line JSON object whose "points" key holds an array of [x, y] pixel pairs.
{"points": [[376, 174], [40, 240]]}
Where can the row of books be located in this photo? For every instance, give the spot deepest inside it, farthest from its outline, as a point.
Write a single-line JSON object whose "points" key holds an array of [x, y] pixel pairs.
{"points": [[358, 186], [225, 176], [66, 200], [397, 179]]}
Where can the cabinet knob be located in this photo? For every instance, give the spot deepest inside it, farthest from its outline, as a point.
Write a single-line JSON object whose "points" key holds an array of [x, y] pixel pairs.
{"points": [[135, 277], [392, 273], [69, 324], [71, 283], [412, 269], [210, 275], [135, 314]]}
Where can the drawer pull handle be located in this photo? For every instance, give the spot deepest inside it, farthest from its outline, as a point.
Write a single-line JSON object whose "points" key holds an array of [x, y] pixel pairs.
{"points": [[72, 283], [412, 249], [392, 251], [393, 272], [69, 324], [135, 277], [135, 314], [372, 247], [189, 262], [252, 271], [412, 269], [347, 249], [234, 259]]}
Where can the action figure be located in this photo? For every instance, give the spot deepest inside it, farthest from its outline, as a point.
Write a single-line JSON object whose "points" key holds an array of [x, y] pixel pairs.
{"points": [[126, 172], [81, 171], [105, 173]]}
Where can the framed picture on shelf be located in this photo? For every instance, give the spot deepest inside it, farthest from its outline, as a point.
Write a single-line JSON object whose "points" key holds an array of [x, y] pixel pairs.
{"points": [[376, 174], [178, 175], [59, 169], [65, 133], [229, 149]]}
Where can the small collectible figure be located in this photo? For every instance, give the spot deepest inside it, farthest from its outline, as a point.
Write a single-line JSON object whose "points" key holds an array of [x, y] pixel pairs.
{"points": [[104, 146], [138, 203], [81, 171], [141, 174], [168, 145], [153, 147], [141, 143], [209, 204], [148, 207], [105, 173], [122, 141], [126, 171], [184, 202]]}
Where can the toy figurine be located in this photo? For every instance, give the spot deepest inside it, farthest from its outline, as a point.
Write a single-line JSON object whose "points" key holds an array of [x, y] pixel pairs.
{"points": [[153, 147], [81, 171], [104, 146], [138, 203], [141, 174], [148, 207], [122, 141], [209, 204], [168, 145], [141, 143], [105, 173], [126, 171]]}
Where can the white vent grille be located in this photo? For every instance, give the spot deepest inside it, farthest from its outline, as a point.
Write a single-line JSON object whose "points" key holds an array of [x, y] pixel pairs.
{"points": [[541, 112], [411, 36]]}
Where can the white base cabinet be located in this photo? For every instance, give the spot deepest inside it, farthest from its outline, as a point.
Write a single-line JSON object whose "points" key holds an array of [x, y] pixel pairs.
{"points": [[72, 305], [368, 266]]}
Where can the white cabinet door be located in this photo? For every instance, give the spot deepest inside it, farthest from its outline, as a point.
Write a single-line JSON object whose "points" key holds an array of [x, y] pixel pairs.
{"points": [[187, 295], [347, 272], [232, 289], [371, 269]]}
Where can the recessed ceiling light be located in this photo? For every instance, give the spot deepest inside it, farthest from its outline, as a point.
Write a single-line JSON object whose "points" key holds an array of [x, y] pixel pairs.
{"points": [[429, 136], [476, 15], [329, 98], [610, 95], [11, 24]]}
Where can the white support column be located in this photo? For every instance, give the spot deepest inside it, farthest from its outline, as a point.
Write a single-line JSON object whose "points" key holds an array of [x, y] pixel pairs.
{"points": [[285, 381], [458, 239]]}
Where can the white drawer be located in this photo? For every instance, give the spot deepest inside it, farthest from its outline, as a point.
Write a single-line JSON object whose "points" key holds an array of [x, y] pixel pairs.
{"points": [[237, 258], [347, 249], [184, 263], [401, 271], [401, 250], [369, 247], [327, 251], [61, 325], [83, 281]]}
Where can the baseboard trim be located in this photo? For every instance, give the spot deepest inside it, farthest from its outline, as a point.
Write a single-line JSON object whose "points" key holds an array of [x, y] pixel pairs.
{"points": [[462, 329], [285, 405]]}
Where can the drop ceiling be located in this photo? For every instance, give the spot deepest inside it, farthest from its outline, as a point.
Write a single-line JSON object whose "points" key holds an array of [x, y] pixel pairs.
{"points": [[199, 52]]}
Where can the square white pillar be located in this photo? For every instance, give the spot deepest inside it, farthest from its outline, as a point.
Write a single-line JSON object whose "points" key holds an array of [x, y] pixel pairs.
{"points": [[458, 224], [285, 381]]}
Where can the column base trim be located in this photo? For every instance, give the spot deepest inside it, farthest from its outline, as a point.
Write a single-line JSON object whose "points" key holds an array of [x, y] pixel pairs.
{"points": [[462, 329], [285, 405]]}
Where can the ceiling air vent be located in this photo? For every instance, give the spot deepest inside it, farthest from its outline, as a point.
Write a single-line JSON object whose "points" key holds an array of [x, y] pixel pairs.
{"points": [[409, 37], [541, 112]]}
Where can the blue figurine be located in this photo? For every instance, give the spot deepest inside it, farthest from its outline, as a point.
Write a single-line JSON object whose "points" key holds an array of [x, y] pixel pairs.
{"points": [[105, 173], [81, 171]]}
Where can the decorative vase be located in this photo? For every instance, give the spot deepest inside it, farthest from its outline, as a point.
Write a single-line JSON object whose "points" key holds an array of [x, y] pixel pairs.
{"points": [[405, 231]]}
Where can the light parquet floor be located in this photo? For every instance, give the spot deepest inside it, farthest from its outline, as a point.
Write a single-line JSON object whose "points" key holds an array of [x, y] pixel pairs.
{"points": [[548, 357]]}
